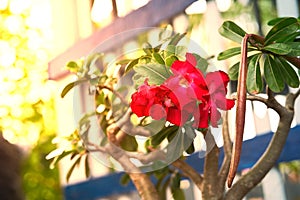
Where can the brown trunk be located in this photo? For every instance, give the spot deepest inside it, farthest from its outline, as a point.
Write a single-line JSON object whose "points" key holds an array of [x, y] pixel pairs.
{"points": [[10, 179]]}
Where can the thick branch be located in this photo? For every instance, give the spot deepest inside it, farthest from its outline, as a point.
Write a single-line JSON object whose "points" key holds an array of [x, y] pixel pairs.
{"points": [[141, 181], [210, 188], [270, 156], [223, 173], [149, 157], [189, 172]]}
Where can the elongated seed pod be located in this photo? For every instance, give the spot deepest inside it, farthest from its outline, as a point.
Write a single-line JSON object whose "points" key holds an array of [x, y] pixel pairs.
{"points": [[240, 114]]}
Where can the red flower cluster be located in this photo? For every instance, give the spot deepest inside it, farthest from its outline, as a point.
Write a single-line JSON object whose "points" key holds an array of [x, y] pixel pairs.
{"points": [[186, 95]]}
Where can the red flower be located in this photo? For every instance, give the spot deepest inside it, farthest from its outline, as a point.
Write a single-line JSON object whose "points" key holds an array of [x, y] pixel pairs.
{"points": [[143, 100], [187, 95], [217, 86]]}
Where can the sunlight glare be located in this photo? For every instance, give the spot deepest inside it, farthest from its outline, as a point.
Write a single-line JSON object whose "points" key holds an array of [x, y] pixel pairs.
{"points": [[223, 5], [3, 4], [197, 7], [101, 10], [7, 54]]}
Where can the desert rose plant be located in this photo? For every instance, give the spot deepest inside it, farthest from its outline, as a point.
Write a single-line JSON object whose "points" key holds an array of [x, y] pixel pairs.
{"points": [[173, 98]]}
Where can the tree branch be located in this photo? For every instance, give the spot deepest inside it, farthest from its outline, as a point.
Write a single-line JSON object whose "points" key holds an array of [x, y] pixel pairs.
{"points": [[210, 187], [141, 181], [149, 157], [189, 172], [223, 173], [271, 102]]}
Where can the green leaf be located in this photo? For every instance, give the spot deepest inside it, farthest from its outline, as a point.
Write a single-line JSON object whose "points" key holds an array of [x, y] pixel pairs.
{"points": [[70, 86], [278, 48], [233, 71], [281, 30], [87, 167], [158, 58], [155, 73], [229, 53], [129, 143], [273, 75], [155, 126], [190, 149], [180, 52], [73, 66], [289, 38], [131, 64], [295, 48], [148, 48], [274, 21], [177, 193], [123, 61], [170, 60], [202, 63], [232, 31], [290, 76], [76, 163], [232, 52], [254, 80], [176, 38], [179, 143], [169, 51], [162, 134], [125, 179]]}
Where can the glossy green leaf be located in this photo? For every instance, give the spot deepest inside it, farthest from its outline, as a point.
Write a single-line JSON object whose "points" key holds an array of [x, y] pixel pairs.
{"points": [[68, 87], [290, 76], [281, 30], [232, 31], [229, 53], [155, 73], [233, 71], [179, 143], [232, 52], [202, 63], [278, 48], [289, 38], [273, 75], [254, 80], [295, 48], [272, 22]]}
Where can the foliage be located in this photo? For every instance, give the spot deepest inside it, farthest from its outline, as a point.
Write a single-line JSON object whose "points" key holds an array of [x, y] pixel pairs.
{"points": [[271, 55]]}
